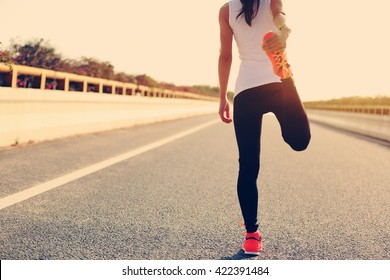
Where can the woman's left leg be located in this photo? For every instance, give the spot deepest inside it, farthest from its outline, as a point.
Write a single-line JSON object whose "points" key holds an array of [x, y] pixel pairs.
{"points": [[249, 108], [247, 125]]}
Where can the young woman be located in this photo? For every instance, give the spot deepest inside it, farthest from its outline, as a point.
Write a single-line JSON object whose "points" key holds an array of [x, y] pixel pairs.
{"points": [[264, 84]]}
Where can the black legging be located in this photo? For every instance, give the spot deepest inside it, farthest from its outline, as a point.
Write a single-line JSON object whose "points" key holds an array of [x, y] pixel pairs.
{"points": [[283, 100]]}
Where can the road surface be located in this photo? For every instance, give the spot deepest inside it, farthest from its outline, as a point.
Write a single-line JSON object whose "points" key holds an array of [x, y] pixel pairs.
{"points": [[177, 199]]}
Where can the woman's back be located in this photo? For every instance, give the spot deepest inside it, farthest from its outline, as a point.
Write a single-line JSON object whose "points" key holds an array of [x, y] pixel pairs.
{"points": [[255, 68]]}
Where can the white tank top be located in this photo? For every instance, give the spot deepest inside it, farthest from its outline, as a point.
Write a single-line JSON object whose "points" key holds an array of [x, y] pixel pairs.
{"points": [[255, 68]]}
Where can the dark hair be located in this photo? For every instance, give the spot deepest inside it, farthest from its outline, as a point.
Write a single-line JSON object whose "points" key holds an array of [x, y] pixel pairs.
{"points": [[249, 10]]}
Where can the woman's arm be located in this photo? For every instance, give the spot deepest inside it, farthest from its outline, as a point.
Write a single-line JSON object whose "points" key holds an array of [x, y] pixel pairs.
{"points": [[279, 17], [224, 62]]}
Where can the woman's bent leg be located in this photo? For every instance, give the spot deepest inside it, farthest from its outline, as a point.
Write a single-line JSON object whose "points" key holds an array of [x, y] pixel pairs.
{"points": [[292, 117]]}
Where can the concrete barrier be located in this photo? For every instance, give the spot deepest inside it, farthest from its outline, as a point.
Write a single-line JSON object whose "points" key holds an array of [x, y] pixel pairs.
{"points": [[375, 126], [362, 109], [37, 115], [21, 76]]}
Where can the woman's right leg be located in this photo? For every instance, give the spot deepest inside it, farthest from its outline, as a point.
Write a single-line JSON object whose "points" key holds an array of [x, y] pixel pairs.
{"points": [[292, 117]]}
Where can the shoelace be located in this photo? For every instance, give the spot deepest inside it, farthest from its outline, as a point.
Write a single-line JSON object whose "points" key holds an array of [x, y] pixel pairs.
{"points": [[281, 62]]}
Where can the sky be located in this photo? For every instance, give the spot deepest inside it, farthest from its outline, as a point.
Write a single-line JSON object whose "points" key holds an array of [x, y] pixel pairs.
{"points": [[336, 48]]}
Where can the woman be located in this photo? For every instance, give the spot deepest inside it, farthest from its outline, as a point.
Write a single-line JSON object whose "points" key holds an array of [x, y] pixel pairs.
{"points": [[264, 84]]}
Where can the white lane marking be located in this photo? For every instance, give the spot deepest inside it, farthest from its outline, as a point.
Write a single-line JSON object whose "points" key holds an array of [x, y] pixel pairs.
{"points": [[47, 186]]}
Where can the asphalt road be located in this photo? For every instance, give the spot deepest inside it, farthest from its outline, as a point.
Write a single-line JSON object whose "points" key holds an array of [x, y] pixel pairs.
{"points": [[178, 201]]}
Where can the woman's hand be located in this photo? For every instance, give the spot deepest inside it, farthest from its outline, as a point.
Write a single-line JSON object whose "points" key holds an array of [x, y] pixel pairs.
{"points": [[277, 42], [224, 110]]}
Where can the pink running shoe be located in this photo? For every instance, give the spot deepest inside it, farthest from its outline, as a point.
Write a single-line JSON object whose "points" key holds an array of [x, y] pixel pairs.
{"points": [[252, 244], [279, 60]]}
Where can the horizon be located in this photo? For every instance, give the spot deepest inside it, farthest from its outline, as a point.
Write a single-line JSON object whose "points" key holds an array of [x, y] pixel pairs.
{"points": [[337, 59]]}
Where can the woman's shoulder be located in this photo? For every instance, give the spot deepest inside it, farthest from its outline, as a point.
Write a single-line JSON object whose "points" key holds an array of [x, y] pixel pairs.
{"points": [[225, 7], [224, 11]]}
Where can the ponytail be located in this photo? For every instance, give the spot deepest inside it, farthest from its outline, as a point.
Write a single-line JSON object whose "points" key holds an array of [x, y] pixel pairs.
{"points": [[249, 10]]}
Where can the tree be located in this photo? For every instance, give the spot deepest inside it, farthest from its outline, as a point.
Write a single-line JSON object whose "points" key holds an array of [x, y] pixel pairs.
{"points": [[68, 66], [36, 53], [145, 80], [96, 68], [125, 78], [168, 86], [5, 55], [39, 53]]}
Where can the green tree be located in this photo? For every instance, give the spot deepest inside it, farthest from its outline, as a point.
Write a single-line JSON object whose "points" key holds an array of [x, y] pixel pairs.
{"points": [[145, 80], [125, 78], [210, 91], [5, 55], [95, 68], [68, 66], [36, 53], [39, 53], [168, 86]]}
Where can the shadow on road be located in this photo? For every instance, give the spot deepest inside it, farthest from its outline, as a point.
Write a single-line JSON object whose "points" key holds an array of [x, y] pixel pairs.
{"points": [[239, 256]]}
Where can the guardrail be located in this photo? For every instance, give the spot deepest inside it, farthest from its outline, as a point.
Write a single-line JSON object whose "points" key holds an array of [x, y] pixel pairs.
{"points": [[363, 109], [20, 76]]}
